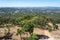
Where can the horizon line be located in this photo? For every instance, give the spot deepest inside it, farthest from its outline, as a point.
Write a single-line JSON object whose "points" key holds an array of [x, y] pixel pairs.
{"points": [[35, 6]]}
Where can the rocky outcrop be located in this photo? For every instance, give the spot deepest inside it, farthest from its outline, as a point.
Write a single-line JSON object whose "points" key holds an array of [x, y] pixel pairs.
{"points": [[2, 32]]}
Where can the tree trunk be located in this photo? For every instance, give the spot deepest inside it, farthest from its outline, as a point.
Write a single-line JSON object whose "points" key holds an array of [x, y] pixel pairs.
{"points": [[20, 37]]}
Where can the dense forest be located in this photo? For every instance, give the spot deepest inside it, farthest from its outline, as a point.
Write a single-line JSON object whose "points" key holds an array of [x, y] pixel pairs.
{"points": [[30, 18], [50, 12]]}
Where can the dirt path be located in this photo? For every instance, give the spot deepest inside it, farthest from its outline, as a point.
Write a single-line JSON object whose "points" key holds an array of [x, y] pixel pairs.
{"points": [[46, 32], [43, 32]]}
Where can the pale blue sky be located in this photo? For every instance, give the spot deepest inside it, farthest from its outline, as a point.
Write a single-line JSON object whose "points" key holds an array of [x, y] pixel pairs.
{"points": [[29, 3]]}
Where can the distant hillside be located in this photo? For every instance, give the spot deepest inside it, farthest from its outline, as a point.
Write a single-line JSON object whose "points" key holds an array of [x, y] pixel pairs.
{"points": [[17, 12]]}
